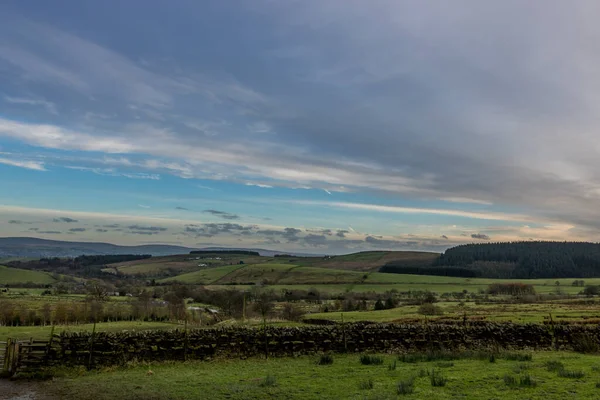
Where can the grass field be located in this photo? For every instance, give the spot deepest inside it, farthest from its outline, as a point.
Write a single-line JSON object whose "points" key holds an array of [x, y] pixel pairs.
{"points": [[519, 313], [43, 332], [12, 276], [346, 378]]}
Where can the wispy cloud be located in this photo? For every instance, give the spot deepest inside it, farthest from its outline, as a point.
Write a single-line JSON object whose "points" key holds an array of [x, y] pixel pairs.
{"points": [[494, 216], [222, 214], [50, 107], [65, 219], [34, 165]]}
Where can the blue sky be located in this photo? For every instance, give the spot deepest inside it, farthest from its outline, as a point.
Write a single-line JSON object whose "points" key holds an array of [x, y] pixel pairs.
{"points": [[316, 126]]}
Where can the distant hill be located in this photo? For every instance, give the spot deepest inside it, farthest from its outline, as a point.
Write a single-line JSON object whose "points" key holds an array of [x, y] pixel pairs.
{"points": [[37, 248], [516, 260], [34, 247]]}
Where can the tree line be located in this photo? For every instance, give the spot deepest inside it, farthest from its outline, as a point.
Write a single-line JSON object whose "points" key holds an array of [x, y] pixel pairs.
{"points": [[517, 260]]}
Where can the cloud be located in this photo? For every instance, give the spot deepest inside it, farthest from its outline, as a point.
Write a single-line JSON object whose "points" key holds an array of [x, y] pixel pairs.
{"points": [[65, 219], [49, 106], [101, 230], [341, 233], [261, 185], [213, 229], [50, 232], [391, 244], [147, 228], [444, 237], [143, 206], [480, 236], [34, 165], [182, 208], [289, 234], [114, 172], [77, 230], [315, 240], [16, 222], [494, 216], [222, 214]]}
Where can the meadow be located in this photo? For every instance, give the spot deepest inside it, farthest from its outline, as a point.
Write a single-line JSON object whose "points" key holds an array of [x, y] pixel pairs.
{"points": [[548, 375], [10, 276]]}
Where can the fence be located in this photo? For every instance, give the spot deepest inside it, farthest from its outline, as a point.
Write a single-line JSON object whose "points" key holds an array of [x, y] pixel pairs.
{"points": [[98, 349]]}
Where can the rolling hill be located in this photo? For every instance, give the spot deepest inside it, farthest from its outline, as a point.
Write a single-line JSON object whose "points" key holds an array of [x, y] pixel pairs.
{"points": [[34, 247], [12, 276]]}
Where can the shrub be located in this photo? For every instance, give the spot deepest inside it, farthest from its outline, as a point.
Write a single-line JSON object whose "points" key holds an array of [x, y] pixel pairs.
{"points": [[554, 366], [367, 359], [366, 385], [292, 312], [406, 386], [510, 380], [598, 385], [591, 290], [270, 380], [517, 356], [563, 373], [325, 359], [430, 309], [513, 289], [585, 343], [517, 369], [437, 379], [492, 358], [392, 366], [423, 373], [445, 364], [527, 380]]}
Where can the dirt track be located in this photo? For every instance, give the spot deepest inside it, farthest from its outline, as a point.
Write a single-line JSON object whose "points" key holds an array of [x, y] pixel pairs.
{"points": [[22, 390]]}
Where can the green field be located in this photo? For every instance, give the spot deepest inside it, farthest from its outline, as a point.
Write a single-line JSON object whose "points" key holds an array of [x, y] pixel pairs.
{"points": [[518, 313], [204, 276], [346, 378], [12, 276], [43, 332]]}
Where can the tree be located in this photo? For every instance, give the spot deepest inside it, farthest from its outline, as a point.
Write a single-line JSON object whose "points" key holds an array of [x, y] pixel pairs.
{"points": [[99, 290], [379, 305], [263, 303], [292, 312]]}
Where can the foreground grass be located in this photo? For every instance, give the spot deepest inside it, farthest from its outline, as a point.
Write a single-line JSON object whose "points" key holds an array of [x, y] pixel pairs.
{"points": [[346, 377]]}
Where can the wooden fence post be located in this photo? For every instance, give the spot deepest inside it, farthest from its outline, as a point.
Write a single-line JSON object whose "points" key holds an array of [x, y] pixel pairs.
{"points": [[185, 341], [91, 359], [6, 363]]}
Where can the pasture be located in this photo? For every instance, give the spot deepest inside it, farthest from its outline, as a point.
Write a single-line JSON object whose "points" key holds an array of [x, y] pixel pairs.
{"points": [[11, 276], [303, 378]]}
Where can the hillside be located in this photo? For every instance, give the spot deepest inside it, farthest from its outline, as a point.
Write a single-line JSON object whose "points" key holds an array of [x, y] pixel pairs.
{"points": [[516, 260], [198, 267], [12, 276], [34, 247]]}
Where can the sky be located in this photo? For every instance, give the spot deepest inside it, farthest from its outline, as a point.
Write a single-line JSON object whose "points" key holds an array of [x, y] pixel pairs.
{"points": [[317, 126]]}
